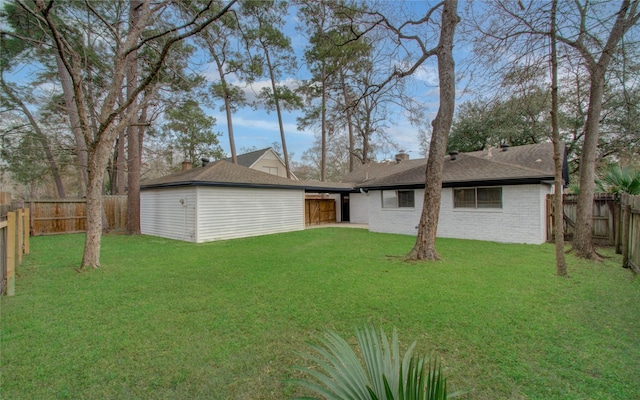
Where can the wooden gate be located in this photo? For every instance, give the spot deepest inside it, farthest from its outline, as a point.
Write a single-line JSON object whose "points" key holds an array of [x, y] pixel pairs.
{"points": [[320, 211], [605, 217]]}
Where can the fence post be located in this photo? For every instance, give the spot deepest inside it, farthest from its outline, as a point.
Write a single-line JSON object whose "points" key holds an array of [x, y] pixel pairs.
{"points": [[19, 235], [11, 253], [618, 226], [626, 222], [26, 230]]}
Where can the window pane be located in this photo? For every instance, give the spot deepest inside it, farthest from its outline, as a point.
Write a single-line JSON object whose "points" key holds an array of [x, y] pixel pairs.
{"points": [[406, 198], [464, 198], [490, 197], [389, 199], [271, 170]]}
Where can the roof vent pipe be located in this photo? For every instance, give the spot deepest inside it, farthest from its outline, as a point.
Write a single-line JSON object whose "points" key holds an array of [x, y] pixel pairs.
{"points": [[205, 161], [186, 165], [453, 155]]}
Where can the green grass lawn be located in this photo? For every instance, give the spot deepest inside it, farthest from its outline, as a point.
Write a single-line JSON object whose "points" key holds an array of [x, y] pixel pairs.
{"points": [[226, 320]]}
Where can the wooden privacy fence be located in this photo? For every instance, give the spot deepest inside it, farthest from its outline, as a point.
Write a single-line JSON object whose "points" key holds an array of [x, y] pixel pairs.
{"points": [[14, 242], [320, 211], [606, 218], [616, 222], [50, 217], [630, 216]]}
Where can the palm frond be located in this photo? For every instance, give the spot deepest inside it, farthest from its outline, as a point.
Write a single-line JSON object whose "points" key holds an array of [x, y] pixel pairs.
{"points": [[340, 374]]}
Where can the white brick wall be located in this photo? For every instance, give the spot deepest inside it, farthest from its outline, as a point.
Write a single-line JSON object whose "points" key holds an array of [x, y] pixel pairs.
{"points": [[358, 208], [521, 219]]}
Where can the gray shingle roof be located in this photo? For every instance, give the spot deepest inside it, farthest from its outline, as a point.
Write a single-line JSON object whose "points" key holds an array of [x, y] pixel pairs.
{"points": [[248, 159], [533, 161], [223, 173], [521, 163]]}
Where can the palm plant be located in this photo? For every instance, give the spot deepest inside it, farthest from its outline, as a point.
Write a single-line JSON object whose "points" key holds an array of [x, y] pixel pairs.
{"points": [[384, 375], [619, 180]]}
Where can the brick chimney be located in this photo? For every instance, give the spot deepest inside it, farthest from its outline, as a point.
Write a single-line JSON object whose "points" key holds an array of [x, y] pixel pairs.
{"points": [[402, 156], [186, 165]]}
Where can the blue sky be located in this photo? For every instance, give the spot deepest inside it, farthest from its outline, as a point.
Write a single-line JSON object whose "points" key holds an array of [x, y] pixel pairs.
{"points": [[257, 128]]}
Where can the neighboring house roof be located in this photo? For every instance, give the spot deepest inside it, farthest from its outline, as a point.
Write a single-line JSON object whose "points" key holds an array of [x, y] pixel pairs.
{"points": [[521, 164], [223, 173], [249, 159]]}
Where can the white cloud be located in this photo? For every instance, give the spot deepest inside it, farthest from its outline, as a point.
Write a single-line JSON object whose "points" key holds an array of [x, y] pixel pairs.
{"points": [[427, 74]]}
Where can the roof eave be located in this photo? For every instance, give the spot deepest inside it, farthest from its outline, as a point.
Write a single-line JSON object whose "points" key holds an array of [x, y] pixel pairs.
{"points": [[454, 184], [306, 188]]}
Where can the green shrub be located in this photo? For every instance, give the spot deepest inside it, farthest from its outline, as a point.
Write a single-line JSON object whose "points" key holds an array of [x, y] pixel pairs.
{"points": [[384, 375]]}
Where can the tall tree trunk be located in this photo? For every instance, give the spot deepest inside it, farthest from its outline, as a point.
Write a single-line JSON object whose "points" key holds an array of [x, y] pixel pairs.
{"points": [[626, 17], [279, 113], [583, 237], [425, 247], [42, 138], [133, 135], [227, 105], [558, 209], [323, 125], [95, 209], [365, 144], [120, 164], [74, 122], [347, 106]]}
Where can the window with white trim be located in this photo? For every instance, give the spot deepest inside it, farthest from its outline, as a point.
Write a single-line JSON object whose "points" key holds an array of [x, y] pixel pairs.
{"points": [[398, 199], [480, 197]]}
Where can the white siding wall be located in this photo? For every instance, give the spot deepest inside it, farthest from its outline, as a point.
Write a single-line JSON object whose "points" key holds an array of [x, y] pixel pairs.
{"points": [[228, 213], [359, 208], [162, 214], [521, 219]]}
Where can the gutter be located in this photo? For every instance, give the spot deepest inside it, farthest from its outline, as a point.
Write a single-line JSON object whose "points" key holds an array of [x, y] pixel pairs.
{"points": [[458, 184], [306, 188]]}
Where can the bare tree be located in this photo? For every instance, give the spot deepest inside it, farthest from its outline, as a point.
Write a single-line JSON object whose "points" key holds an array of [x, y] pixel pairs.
{"points": [[597, 62], [425, 247], [405, 36], [558, 208], [111, 115], [590, 32], [133, 131], [13, 98]]}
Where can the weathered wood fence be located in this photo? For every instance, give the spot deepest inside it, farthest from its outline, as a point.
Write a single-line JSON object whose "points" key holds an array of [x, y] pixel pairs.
{"points": [[320, 211], [606, 217], [630, 218], [50, 217], [14, 243], [616, 222]]}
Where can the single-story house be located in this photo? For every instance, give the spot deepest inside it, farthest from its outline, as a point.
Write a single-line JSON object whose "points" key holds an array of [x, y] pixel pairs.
{"points": [[496, 194]]}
